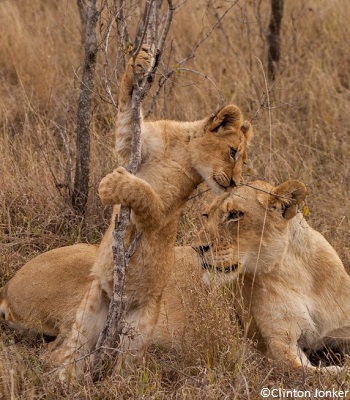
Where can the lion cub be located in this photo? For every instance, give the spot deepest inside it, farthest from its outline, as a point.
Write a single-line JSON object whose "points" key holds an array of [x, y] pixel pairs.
{"points": [[176, 158], [294, 285]]}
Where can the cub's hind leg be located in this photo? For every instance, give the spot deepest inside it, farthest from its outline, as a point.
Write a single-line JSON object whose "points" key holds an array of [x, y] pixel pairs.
{"points": [[119, 186], [72, 355]]}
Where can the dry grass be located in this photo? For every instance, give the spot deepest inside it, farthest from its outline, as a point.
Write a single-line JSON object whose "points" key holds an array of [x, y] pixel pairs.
{"points": [[309, 139]]}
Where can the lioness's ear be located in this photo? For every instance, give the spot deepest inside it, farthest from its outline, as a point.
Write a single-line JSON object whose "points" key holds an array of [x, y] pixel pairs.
{"points": [[227, 118], [288, 197], [247, 129]]}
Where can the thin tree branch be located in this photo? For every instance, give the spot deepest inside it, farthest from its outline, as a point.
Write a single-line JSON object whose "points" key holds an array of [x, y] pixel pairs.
{"points": [[207, 35], [115, 328], [107, 79], [221, 97], [122, 28]]}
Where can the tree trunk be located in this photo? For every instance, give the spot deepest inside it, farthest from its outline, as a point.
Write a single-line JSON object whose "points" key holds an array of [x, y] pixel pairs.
{"points": [[82, 167], [273, 37]]}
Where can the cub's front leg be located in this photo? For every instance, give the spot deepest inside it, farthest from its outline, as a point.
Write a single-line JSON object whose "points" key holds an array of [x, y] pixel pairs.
{"points": [[121, 187], [123, 132], [142, 65]]}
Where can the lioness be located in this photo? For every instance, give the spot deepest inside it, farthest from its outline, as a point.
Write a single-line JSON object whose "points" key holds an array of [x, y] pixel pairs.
{"points": [[255, 230], [176, 158], [294, 285]]}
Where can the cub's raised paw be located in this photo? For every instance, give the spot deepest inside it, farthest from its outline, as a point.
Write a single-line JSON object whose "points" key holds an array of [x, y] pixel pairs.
{"points": [[142, 62], [113, 184]]}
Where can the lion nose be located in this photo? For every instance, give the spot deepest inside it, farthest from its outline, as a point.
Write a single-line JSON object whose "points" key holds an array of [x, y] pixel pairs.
{"points": [[233, 183], [201, 249]]}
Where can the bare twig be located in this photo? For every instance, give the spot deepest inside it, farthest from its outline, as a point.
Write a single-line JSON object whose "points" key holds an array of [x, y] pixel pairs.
{"points": [[143, 31], [270, 117], [68, 178], [169, 73], [207, 35], [107, 78], [221, 97], [163, 79], [258, 17], [122, 28]]}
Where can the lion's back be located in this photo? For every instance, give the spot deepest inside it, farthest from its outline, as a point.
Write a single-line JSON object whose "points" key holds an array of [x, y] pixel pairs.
{"points": [[48, 289]]}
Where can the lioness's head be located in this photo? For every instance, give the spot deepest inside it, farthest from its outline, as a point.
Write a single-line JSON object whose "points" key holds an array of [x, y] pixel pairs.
{"points": [[218, 155], [246, 229]]}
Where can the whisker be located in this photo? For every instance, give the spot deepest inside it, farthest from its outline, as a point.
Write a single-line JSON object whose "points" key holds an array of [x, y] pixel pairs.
{"points": [[198, 194], [265, 191]]}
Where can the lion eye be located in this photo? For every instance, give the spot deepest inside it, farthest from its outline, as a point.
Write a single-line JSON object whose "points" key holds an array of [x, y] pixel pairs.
{"points": [[233, 153], [205, 215], [235, 215]]}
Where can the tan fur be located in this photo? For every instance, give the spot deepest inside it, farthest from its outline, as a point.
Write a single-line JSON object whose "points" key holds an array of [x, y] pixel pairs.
{"points": [[44, 295], [294, 285], [176, 157]]}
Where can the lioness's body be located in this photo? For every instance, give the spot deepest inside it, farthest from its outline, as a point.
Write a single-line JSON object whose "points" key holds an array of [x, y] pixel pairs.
{"points": [[294, 284], [176, 158], [44, 295], [303, 303]]}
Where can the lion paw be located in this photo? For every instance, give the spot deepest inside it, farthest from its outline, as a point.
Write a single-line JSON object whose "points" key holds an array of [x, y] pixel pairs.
{"points": [[62, 364], [111, 186], [142, 63]]}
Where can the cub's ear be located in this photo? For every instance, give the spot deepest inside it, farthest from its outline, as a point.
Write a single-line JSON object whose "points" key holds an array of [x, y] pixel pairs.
{"points": [[228, 118], [247, 130], [288, 198]]}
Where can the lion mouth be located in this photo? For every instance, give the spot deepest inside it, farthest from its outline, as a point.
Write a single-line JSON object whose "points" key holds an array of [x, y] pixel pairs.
{"points": [[209, 267], [225, 270], [224, 181], [215, 185]]}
